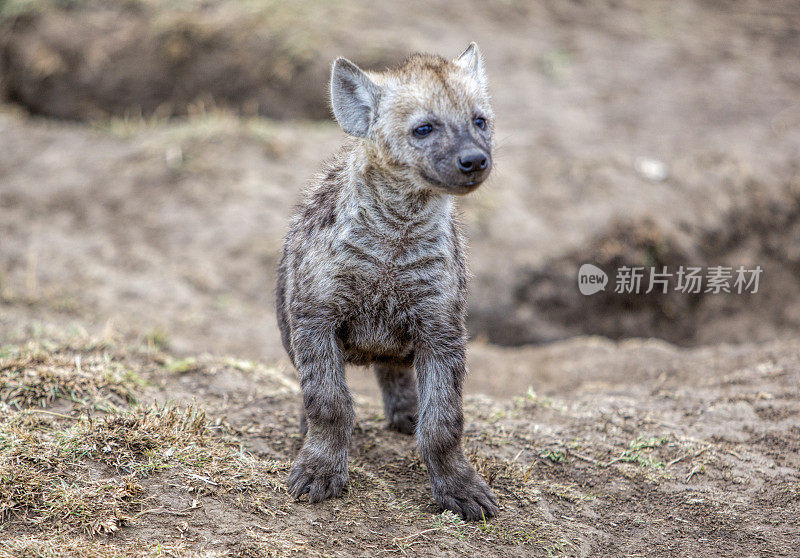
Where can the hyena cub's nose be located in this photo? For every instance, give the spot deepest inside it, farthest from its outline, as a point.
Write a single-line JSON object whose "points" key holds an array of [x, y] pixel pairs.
{"points": [[472, 160]]}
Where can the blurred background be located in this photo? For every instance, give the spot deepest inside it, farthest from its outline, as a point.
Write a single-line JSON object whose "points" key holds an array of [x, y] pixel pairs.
{"points": [[151, 152]]}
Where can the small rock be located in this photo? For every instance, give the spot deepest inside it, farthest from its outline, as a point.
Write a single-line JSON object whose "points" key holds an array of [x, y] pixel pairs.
{"points": [[651, 169]]}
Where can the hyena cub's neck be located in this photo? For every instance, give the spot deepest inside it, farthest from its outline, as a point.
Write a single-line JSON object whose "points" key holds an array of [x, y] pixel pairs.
{"points": [[386, 192]]}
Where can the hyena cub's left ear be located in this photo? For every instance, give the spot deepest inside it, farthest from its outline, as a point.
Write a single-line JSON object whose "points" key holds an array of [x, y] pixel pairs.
{"points": [[354, 97], [472, 61]]}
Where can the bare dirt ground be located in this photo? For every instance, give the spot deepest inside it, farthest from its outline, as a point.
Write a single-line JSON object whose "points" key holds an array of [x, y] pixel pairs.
{"points": [[150, 154], [632, 454]]}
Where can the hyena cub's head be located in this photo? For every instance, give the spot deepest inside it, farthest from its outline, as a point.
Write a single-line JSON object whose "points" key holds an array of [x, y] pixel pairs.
{"points": [[430, 120]]}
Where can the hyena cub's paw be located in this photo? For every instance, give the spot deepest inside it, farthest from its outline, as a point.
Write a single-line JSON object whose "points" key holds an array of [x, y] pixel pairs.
{"points": [[466, 495], [404, 422], [319, 477]]}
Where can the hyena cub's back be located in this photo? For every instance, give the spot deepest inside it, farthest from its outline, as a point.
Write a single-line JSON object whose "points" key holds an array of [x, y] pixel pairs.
{"points": [[373, 270]]}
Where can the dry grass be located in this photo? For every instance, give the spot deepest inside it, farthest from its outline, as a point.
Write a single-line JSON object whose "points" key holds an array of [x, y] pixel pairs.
{"points": [[83, 475], [37, 375]]}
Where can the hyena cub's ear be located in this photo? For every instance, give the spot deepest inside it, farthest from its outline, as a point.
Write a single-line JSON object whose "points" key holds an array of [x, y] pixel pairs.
{"points": [[472, 61], [354, 97]]}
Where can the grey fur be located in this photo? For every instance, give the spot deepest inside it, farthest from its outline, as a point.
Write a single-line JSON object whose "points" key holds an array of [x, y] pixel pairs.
{"points": [[373, 272]]}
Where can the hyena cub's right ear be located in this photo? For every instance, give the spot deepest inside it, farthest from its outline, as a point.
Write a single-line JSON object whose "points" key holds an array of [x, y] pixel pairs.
{"points": [[354, 97]]}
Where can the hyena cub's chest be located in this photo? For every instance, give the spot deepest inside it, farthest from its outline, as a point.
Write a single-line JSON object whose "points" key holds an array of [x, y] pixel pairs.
{"points": [[391, 285]]}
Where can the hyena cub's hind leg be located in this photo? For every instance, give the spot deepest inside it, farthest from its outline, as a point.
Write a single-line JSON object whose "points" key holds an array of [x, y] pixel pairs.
{"points": [[399, 389], [303, 422]]}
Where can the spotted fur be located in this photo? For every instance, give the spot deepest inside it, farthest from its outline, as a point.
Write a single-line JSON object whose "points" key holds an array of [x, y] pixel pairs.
{"points": [[373, 271]]}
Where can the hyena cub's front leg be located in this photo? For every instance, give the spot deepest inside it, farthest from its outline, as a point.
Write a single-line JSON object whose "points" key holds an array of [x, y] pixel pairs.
{"points": [[320, 469], [455, 484], [399, 390]]}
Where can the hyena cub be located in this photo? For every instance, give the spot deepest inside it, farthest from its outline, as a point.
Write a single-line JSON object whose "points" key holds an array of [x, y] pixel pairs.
{"points": [[373, 270]]}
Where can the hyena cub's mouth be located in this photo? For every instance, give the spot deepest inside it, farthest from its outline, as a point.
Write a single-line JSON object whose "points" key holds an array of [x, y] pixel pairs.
{"points": [[454, 187]]}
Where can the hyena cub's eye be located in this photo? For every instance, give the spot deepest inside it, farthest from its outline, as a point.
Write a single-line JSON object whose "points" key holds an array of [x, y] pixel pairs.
{"points": [[423, 130], [480, 122]]}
